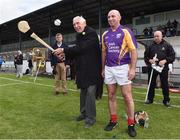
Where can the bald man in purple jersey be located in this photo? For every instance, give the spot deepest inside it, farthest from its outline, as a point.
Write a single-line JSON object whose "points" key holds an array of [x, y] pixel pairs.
{"points": [[119, 57]]}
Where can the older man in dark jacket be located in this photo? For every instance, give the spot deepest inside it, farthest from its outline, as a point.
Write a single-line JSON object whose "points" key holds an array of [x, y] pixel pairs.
{"points": [[88, 68], [165, 55]]}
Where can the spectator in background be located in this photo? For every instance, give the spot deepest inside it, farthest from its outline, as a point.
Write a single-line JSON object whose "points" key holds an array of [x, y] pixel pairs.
{"points": [[168, 23], [59, 67], [168, 33], [15, 59], [175, 23], [19, 64], [146, 32], [1, 62], [30, 65], [150, 31], [165, 55]]}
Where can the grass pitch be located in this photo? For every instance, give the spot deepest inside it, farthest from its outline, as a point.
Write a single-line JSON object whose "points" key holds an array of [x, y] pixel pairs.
{"points": [[30, 111]]}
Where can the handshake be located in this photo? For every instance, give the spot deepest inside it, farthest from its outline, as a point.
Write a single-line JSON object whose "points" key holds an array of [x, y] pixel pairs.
{"points": [[59, 53]]}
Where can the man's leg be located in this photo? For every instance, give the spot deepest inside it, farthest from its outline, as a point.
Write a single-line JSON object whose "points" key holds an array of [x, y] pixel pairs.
{"points": [[112, 107], [18, 71], [21, 71], [83, 93], [57, 80], [127, 94], [112, 101], [152, 85], [90, 105], [165, 87], [63, 77]]}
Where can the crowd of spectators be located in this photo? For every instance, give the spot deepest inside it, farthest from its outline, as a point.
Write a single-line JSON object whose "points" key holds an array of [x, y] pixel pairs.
{"points": [[148, 32], [168, 30]]}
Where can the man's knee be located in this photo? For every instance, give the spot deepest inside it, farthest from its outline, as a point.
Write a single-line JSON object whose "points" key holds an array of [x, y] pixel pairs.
{"points": [[128, 97], [112, 97]]}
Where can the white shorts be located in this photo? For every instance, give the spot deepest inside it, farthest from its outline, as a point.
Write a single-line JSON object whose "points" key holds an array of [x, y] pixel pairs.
{"points": [[117, 74]]}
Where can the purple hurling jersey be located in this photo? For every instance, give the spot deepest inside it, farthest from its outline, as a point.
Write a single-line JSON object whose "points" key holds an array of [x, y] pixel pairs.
{"points": [[117, 45]]}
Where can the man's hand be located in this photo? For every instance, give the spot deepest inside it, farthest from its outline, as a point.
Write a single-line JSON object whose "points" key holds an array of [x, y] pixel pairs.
{"points": [[59, 53], [131, 73], [61, 56], [103, 73], [152, 61], [162, 62]]}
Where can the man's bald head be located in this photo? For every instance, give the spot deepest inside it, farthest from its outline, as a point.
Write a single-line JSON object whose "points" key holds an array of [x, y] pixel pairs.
{"points": [[114, 18], [115, 12], [158, 36], [158, 33]]}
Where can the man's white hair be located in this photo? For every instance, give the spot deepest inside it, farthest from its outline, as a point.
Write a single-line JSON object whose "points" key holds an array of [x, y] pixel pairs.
{"points": [[79, 18], [19, 52]]}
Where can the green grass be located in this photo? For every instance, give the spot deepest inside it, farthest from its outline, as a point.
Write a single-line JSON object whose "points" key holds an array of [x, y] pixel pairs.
{"points": [[30, 111]]}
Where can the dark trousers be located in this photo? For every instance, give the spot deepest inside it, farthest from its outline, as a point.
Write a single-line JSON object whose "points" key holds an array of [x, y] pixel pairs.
{"points": [[88, 103], [164, 84]]}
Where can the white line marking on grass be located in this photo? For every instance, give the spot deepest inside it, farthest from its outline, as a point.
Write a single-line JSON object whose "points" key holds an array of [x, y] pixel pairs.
{"points": [[10, 84], [142, 101], [143, 93], [74, 90], [15, 80], [26, 82], [32, 78]]}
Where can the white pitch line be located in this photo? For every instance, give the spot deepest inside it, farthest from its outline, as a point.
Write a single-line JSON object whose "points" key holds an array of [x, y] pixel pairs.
{"points": [[143, 93], [142, 101], [10, 84], [74, 90], [26, 82]]}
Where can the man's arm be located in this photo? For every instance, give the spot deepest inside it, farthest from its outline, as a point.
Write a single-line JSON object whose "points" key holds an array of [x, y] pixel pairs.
{"points": [[90, 41], [132, 70], [103, 55], [170, 56], [132, 48], [146, 55], [103, 61]]}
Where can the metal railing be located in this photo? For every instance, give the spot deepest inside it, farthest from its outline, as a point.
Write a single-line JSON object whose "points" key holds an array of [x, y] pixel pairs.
{"points": [[143, 77]]}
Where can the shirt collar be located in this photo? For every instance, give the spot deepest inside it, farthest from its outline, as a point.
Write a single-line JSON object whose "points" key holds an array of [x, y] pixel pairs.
{"points": [[59, 44]]}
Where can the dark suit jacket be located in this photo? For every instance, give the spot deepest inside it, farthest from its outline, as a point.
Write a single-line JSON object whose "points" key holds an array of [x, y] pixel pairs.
{"points": [[87, 53]]}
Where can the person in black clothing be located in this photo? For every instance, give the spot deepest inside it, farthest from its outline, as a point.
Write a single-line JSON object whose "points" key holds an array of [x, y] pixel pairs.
{"points": [[30, 65], [87, 54], [18, 60], [165, 55], [59, 67]]}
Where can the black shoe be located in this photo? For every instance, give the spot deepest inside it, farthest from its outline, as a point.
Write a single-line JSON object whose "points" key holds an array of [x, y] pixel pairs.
{"points": [[87, 125], [64, 93], [80, 118], [56, 93], [131, 131], [110, 126], [167, 104], [148, 102]]}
